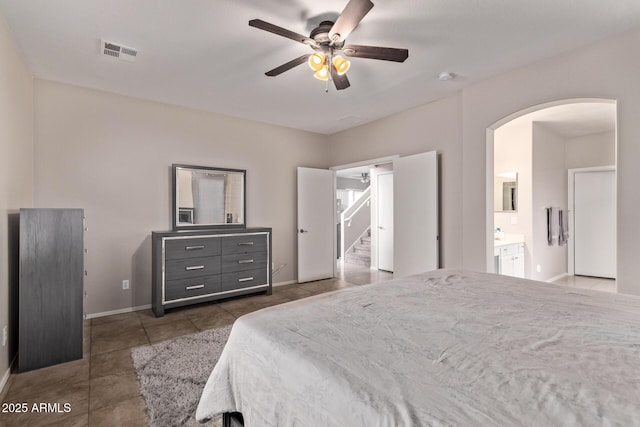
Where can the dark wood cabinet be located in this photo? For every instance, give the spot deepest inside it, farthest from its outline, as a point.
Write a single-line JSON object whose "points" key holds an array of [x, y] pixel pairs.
{"points": [[51, 277], [205, 265]]}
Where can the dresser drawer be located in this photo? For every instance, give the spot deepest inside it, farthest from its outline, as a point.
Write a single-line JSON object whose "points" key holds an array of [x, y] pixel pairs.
{"points": [[186, 288], [249, 243], [191, 248], [244, 279], [192, 267], [242, 262]]}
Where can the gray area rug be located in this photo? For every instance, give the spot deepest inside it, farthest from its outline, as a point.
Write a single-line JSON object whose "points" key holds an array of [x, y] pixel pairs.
{"points": [[173, 373]]}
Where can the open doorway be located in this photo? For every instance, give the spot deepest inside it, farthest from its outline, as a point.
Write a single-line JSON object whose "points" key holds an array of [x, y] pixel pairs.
{"points": [[536, 156], [415, 218], [364, 221]]}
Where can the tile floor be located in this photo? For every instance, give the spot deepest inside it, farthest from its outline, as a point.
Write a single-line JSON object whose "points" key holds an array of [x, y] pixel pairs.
{"points": [[586, 282], [102, 387]]}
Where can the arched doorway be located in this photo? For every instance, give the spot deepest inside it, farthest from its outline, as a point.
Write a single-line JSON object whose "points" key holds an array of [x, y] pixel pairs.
{"points": [[532, 151]]}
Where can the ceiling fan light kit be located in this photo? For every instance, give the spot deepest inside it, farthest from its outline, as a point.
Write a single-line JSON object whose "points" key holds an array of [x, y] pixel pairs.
{"points": [[316, 61], [319, 64], [342, 65], [327, 39]]}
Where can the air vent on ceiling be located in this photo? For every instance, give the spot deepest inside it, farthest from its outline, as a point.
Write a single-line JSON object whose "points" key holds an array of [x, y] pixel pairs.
{"points": [[119, 51]]}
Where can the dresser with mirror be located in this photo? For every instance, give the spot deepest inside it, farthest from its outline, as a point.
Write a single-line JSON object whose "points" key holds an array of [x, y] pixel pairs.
{"points": [[210, 254]]}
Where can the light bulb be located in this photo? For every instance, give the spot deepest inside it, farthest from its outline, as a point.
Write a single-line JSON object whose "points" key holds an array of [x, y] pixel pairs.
{"points": [[316, 61], [322, 73], [341, 64]]}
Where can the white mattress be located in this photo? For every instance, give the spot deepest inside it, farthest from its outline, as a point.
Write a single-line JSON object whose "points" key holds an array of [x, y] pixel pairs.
{"points": [[448, 347]]}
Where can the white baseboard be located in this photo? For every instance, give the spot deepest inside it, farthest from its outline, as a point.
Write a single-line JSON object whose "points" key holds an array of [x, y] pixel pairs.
{"points": [[7, 374], [290, 282], [558, 277], [144, 307], [120, 311]]}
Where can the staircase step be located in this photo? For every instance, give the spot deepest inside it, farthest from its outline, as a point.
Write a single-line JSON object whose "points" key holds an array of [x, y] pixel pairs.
{"points": [[366, 239], [358, 259], [362, 249]]}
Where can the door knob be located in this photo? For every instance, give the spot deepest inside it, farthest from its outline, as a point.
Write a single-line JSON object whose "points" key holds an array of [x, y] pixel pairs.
{"points": [[381, 227], [303, 230]]}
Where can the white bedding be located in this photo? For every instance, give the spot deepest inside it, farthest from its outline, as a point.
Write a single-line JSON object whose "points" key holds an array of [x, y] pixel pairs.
{"points": [[448, 347]]}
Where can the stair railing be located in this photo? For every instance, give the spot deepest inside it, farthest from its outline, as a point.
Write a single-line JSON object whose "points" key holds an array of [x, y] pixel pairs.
{"points": [[358, 217]]}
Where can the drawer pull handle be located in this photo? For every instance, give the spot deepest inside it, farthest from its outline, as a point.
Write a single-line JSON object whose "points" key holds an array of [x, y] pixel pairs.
{"points": [[190, 288], [245, 243], [193, 248], [245, 279], [194, 267], [245, 261]]}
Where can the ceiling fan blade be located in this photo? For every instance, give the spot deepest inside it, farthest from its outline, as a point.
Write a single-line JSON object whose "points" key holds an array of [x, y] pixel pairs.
{"points": [[341, 81], [349, 19], [289, 65], [376, 52], [263, 25]]}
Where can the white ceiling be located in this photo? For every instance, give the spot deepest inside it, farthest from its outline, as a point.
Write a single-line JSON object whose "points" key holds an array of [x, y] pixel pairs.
{"points": [[202, 53], [574, 120], [354, 173]]}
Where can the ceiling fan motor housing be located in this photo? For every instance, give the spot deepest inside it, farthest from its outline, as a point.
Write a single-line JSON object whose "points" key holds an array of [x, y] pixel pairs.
{"points": [[321, 35]]}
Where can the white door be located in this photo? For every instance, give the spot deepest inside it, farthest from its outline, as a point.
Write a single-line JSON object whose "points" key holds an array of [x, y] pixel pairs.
{"points": [[316, 224], [385, 222], [415, 216], [595, 223]]}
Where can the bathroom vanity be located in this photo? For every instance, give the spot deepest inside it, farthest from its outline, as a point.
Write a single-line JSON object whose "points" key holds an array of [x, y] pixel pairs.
{"points": [[509, 257]]}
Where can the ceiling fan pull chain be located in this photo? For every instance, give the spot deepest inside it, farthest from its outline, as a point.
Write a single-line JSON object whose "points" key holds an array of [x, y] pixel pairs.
{"points": [[329, 65]]}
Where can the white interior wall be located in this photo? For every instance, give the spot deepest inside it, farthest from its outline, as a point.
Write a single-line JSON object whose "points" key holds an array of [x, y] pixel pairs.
{"points": [[549, 189], [16, 174], [604, 70], [513, 153], [586, 151]]}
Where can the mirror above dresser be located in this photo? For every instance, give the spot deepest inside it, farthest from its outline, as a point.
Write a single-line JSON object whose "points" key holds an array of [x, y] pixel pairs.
{"points": [[207, 197], [210, 254]]}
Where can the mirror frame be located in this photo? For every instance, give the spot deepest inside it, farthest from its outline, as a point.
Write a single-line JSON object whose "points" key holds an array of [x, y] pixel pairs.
{"points": [[515, 199], [174, 210]]}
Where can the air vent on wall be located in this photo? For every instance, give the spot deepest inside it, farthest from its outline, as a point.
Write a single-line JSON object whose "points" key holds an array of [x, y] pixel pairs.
{"points": [[119, 51]]}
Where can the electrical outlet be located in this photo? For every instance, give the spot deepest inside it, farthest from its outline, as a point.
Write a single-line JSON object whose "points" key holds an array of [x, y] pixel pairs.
{"points": [[538, 268], [5, 335], [125, 284]]}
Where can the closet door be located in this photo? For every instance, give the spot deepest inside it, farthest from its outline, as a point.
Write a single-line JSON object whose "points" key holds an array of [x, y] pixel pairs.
{"points": [[595, 223], [51, 287]]}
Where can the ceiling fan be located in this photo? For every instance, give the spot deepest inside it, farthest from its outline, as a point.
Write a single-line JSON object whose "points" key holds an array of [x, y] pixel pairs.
{"points": [[327, 40]]}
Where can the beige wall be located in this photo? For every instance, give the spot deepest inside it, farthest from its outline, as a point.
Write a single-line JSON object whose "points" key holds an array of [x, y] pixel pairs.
{"points": [[435, 126], [16, 168], [606, 70], [111, 155], [513, 153], [597, 149], [549, 189]]}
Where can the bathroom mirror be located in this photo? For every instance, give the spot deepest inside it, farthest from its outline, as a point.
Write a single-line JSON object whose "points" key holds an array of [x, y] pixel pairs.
{"points": [[205, 197], [505, 192]]}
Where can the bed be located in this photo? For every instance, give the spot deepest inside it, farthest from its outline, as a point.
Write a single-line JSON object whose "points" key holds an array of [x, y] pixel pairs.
{"points": [[448, 347]]}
